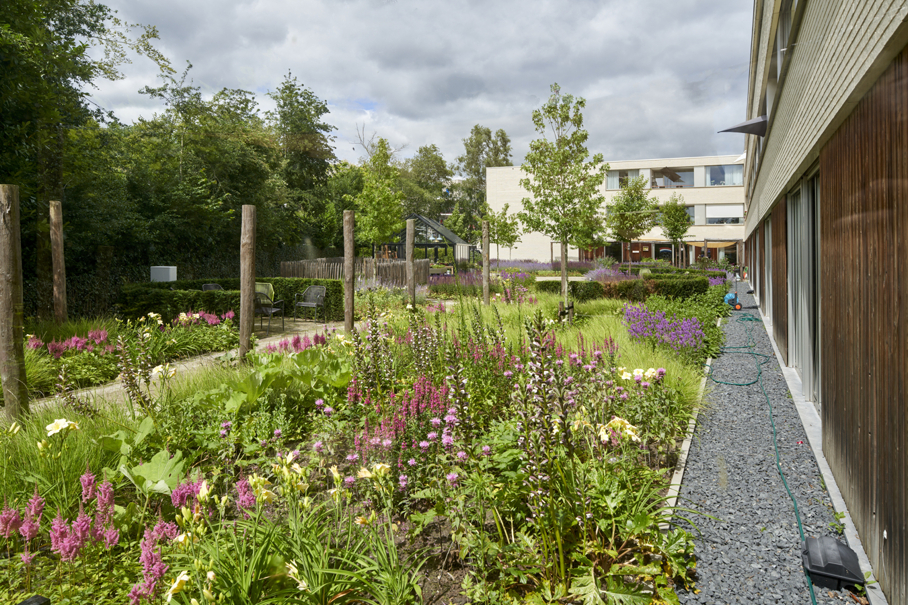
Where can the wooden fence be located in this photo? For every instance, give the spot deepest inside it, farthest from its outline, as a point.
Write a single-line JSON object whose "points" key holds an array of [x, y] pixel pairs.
{"points": [[386, 271]]}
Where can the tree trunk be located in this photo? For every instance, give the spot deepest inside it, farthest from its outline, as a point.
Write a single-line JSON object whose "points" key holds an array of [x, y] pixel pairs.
{"points": [[12, 351], [247, 280], [411, 274], [564, 279], [59, 266], [349, 259], [485, 262]]}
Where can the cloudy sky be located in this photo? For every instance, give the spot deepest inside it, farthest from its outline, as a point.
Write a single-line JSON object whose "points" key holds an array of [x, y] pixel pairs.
{"points": [[660, 76]]}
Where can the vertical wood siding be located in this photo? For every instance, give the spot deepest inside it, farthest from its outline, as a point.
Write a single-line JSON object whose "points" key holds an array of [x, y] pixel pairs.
{"points": [[761, 255], [864, 290], [780, 278]]}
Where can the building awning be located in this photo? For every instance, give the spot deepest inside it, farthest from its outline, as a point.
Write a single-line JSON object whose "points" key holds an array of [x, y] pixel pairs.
{"points": [[712, 244], [756, 126]]}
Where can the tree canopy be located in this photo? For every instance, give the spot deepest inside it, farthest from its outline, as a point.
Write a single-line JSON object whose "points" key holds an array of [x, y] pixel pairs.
{"points": [[674, 219], [564, 185], [632, 212], [482, 150], [379, 206]]}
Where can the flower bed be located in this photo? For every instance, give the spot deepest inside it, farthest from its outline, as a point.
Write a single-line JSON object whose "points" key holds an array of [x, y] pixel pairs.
{"points": [[354, 468]]}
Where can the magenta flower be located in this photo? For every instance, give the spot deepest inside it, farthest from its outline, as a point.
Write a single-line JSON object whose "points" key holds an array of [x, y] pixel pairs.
{"points": [[329, 410], [424, 445], [432, 436], [10, 521], [349, 481], [111, 537], [452, 479], [412, 461], [245, 499], [462, 455], [447, 441], [486, 450], [402, 481], [277, 433], [352, 457], [318, 446], [436, 422]]}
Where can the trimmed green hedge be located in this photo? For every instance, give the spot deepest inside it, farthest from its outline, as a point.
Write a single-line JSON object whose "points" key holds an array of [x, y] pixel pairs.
{"points": [[676, 286], [140, 299], [668, 269]]}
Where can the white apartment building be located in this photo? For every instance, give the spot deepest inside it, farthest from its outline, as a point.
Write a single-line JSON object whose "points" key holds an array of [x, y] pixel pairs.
{"points": [[712, 188]]}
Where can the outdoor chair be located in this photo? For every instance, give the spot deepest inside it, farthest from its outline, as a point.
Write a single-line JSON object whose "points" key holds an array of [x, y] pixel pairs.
{"points": [[207, 287], [312, 298], [265, 306]]}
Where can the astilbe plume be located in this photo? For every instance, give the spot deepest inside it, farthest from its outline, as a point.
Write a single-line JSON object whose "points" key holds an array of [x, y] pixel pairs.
{"points": [[245, 499], [153, 566], [10, 521]]}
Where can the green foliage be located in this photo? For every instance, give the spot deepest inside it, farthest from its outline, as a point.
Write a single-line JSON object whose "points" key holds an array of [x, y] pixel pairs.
{"points": [[579, 290], [504, 230], [379, 206], [424, 180], [706, 306], [564, 186], [137, 300], [632, 212], [482, 150], [674, 219]]}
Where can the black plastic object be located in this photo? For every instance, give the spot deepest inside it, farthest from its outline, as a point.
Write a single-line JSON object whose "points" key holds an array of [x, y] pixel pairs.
{"points": [[830, 563], [36, 600]]}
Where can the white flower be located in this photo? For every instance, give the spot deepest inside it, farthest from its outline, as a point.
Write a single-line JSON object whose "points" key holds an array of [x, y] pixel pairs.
{"points": [[178, 585], [626, 376], [638, 372], [380, 469], [59, 424], [409, 307], [650, 374], [211, 577], [157, 370]]}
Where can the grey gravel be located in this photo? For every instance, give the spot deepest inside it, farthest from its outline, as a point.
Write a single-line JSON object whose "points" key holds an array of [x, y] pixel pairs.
{"points": [[750, 552]]}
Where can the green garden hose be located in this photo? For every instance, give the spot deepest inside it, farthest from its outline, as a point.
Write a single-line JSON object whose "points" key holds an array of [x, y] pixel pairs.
{"points": [[749, 349]]}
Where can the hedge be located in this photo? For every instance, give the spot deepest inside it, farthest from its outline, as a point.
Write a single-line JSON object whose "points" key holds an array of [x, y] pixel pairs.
{"points": [[679, 286], [140, 299]]}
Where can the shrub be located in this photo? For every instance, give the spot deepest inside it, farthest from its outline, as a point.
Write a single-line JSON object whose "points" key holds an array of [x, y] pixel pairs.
{"points": [[679, 286], [140, 299], [578, 290]]}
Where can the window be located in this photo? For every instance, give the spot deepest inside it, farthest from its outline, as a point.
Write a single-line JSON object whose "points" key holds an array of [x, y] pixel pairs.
{"points": [[729, 175], [619, 178], [725, 214], [691, 214], [672, 178]]}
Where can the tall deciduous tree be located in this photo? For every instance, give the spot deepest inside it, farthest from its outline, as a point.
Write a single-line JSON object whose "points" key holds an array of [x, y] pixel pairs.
{"points": [[632, 212], [379, 207], [565, 199], [504, 229], [675, 220], [425, 180], [482, 150]]}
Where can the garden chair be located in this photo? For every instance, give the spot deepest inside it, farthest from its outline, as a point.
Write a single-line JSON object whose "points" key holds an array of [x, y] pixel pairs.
{"points": [[265, 306], [207, 287], [312, 298]]}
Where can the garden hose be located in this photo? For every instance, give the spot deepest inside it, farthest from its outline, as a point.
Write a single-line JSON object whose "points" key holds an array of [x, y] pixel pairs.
{"points": [[749, 349]]}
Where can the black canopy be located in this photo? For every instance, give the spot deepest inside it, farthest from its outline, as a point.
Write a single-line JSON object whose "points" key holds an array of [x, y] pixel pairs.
{"points": [[756, 126]]}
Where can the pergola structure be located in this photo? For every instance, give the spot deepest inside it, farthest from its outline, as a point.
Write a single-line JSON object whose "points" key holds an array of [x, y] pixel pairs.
{"points": [[430, 235]]}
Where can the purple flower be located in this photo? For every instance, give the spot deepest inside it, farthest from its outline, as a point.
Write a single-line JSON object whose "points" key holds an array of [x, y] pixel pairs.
{"points": [[318, 446], [436, 422], [486, 450], [447, 441], [450, 419], [10, 521], [277, 433], [462, 455], [223, 433], [402, 481], [432, 436], [412, 461], [27, 557], [352, 457], [452, 479], [329, 410], [349, 481], [245, 499], [319, 403], [424, 445], [226, 425], [111, 537], [508, 373]]}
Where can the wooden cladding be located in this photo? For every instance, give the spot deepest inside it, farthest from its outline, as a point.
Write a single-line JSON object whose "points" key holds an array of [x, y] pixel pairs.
{"points": [[761, 273], [779, 278], [864, 298]]}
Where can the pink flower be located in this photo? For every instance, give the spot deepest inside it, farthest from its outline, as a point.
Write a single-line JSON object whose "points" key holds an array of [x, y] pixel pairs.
{"points": [[245, 499], [35, 506], [486, 450], [26, 557], [10, 521], [88, 485], [461, 455], [452, 478], [111, 537], [412, 461], [432, 436], [436, 421], [59, 532]]}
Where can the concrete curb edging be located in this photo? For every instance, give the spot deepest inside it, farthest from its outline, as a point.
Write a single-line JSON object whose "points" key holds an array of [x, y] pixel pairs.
{"points": [[674, 488], [810, 420]]}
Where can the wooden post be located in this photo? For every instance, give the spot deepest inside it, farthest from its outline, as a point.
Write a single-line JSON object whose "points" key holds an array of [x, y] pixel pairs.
{"points": [[247, 280], [411, 275], [56, 251], [12, 349], [349, 259], [485, 262]]}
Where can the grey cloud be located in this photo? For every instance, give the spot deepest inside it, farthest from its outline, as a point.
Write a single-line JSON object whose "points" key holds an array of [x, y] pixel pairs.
{"points": [[660, 76]]}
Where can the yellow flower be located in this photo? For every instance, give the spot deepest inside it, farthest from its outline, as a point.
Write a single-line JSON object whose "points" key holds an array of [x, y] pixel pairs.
{"points": [[623, 427], [380, 469], [203, 492], [178, 585], [58, 425], [364, 473], [361, 521], [14, 428], [267, 495], [638, 372], [650, 374], [335, 473]]}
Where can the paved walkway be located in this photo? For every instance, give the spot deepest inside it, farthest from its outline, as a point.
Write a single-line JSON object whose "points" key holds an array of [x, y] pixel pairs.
{"points": [[750, 552], [113, 392]]}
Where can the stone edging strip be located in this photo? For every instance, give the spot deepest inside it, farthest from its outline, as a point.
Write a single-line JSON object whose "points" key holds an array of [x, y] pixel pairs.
{"points": [[674, 487]]}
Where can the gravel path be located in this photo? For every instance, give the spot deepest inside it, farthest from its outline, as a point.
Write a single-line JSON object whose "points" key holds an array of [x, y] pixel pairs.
{"points": [[751, 552]]}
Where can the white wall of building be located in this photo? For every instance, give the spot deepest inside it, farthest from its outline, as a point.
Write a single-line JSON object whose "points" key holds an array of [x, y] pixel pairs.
{"points": [[503, 187]]}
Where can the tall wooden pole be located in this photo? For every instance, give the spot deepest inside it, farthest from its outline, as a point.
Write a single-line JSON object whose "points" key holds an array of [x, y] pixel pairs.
{"points": [[349, 268], [485, 262], [12, 350], [56, 251], [411, 274], [247, 280]]}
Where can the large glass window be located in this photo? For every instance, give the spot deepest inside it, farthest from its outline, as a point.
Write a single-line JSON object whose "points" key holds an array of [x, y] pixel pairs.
{"points": [[725, 214], [618, 178], [729, 175], [672, 178]]}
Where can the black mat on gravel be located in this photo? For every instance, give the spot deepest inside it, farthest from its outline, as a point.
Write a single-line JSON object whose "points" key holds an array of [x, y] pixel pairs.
{"points": [[751, 553]]}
